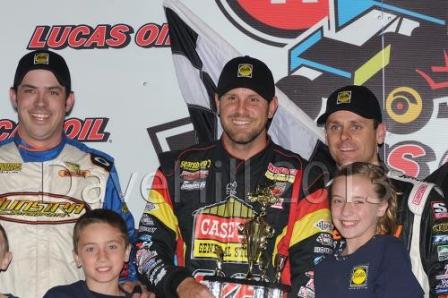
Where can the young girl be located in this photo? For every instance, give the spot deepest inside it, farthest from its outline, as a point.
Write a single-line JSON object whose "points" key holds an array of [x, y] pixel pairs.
{"points": [[368, 262]]}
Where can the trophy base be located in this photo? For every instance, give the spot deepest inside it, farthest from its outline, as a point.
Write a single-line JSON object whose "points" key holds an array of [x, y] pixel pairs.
{"points": [[237, 288]]}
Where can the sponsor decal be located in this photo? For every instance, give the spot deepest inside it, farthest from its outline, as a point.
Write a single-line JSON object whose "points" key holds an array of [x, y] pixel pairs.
{"points": [[439, 239], [233, 290], [359, 277], [442, 286], [231, 188], [325, 239], [149, 230], [149, 207], [73, 170], [281, 174], [41, 59], [124, 208], [10, 167], [442, 252], [443, 276], [195, 165], [245, 70], [217, 225], [442, 227], [318, 259], [307, 291], [194, 173], [192, 176], [417, 199], [8, 129], [323, 250], [279, 204], [40, 208], [103, 36], [324, 225], [156, 276], [439, 210], [192, 185], [344, 97], [147, 220], [277, 190]]}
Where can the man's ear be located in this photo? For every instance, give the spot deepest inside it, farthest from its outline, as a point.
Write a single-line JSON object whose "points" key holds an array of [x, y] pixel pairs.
{"points": [[273, 105], [6, 261], [380, 133], [69, 102], [13, 97], [217, 103]]}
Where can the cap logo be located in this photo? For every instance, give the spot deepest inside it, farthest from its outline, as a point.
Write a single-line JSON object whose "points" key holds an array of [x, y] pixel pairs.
{"points": [[245, 70], [344, 97], [41, 58]]}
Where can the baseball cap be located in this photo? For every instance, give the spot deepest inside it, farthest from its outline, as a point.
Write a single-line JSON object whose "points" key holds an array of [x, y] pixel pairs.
{"points": [[247, 72], [43, 59], [357, 99]]}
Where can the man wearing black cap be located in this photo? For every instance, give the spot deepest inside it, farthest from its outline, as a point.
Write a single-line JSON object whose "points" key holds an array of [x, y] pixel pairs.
{"points": [[48, 181], [354, 131], [199, 199]]}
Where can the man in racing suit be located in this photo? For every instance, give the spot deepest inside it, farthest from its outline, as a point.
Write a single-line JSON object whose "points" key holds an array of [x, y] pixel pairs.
{"points": [[440, 177], [48, 181], [199, 198], [354, 130]]}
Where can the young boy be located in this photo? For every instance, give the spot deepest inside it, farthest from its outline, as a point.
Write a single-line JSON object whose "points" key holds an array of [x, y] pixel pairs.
{"points": [[5, 256], [101, 247]]}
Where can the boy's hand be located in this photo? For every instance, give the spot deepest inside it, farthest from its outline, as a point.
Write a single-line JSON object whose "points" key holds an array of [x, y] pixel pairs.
{"points": [[189, 287]]}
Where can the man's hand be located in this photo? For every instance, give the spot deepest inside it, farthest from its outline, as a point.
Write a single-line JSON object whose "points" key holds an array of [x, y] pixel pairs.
{"points": [[137, 289], [190, 288]]}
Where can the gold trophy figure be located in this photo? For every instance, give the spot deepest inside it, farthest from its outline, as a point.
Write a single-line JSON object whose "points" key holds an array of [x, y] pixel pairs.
{"points": [[256, 233], [219, 260]]}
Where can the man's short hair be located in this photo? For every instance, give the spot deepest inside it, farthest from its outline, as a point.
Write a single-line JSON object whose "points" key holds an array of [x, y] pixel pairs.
{"points": [[99, 216]]}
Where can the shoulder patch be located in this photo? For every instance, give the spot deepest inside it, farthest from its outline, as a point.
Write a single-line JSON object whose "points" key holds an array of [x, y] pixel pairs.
{"points": [[101, 161]]}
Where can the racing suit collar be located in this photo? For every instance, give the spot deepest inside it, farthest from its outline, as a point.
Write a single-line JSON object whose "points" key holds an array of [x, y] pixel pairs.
{"points": [[229, 161], [29, 154]]}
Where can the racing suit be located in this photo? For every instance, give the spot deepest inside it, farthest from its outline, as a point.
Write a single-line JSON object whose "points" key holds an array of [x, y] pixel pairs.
{"points": [[422, 218], [440, 177], [42, 194], [198, 200]]}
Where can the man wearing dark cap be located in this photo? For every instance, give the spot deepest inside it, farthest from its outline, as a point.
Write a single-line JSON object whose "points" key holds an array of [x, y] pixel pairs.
{"points": [[48, 181], [354, 131], [199, 199]]}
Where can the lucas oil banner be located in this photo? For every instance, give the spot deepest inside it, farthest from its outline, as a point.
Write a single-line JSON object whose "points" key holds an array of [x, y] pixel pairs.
{"points": [[129, 102]]}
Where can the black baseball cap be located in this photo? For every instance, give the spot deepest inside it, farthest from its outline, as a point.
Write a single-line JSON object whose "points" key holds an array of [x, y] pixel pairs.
{"points": [[247, 72], [357, 99], [44, 59]]}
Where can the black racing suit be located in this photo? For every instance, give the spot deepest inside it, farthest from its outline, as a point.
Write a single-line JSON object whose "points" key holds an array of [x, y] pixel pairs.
{"points": [[198, 200]]}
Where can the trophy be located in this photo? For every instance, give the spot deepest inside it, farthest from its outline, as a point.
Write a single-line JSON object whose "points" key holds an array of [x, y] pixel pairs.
{"points": [[256, 232]]}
